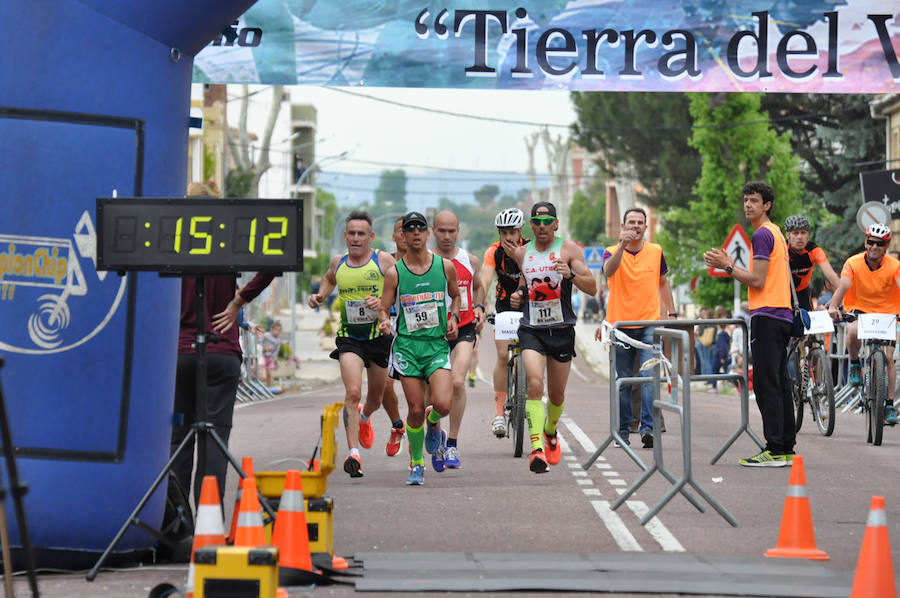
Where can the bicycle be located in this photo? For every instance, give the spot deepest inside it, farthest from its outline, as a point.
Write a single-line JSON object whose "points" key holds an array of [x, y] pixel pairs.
{"points": [[516, 395], [874, 381], [813, 385]]}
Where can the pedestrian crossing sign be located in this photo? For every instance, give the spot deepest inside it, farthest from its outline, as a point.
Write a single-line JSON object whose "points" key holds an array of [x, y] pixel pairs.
{"points": [[737, 245], [593, 257]]}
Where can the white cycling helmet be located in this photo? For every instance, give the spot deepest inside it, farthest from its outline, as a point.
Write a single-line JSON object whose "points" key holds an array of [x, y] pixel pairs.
{"points": [[879, 231], [510, 218]]}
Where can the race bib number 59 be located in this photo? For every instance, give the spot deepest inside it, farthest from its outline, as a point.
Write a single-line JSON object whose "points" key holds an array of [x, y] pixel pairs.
{"points": [[420, 316]]}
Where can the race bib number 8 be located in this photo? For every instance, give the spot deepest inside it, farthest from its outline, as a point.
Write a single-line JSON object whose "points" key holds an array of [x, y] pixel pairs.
{"points": [[547, 312], [358, 313], [420, 316]]}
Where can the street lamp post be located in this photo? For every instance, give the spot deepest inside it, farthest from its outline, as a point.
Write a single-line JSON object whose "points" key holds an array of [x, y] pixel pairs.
{"points": [[293, 275]]}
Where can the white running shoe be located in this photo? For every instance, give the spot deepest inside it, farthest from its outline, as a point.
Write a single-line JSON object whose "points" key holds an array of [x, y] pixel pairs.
{"points": [[498, 426]]}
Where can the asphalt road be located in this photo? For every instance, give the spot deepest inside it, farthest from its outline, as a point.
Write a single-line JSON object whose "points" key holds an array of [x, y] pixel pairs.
{"points": [[495, 504]]}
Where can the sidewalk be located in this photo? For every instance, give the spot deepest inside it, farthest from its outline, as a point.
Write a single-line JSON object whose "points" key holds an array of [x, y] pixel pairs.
{"points": [[315, 367], [590, 349]]}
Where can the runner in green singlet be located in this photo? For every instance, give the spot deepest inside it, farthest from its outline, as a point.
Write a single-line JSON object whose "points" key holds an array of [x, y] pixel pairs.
{"points": [[418, 286]]}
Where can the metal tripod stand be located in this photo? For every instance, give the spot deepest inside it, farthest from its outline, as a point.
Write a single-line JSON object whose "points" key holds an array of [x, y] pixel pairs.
{"points": [[202, 429], [18, 490]]}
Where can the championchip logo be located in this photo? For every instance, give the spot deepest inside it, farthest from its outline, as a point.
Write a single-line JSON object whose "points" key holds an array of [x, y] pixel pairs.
{"points": [[42, 277]]}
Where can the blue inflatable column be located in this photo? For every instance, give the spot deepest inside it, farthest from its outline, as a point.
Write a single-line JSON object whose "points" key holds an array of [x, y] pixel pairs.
{"points": [[94, 98]]}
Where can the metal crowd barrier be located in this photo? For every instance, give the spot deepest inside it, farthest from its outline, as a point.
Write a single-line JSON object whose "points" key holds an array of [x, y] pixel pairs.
{"points": [[681, 350], [251, 387]]}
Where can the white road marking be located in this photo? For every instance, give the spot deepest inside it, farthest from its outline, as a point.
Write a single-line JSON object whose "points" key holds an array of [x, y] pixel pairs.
{"points": [[616, 527], [591, 491], [579, 474], [657, 530], [586, 443], [613, 522], [584, 482], [578, 373]]}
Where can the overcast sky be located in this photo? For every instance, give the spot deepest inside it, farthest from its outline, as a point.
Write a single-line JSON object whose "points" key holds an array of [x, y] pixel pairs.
{"points": [[381, 136], [381, 132]]}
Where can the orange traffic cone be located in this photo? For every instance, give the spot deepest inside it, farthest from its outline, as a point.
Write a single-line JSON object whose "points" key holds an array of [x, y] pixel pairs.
{"points": [[290, 535], [874, 571], [209, 529], [247, 466], [797, 538], [249, 530]]}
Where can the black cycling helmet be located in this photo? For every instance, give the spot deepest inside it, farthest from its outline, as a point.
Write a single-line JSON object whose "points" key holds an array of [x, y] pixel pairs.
{"points": [[796, 222]]}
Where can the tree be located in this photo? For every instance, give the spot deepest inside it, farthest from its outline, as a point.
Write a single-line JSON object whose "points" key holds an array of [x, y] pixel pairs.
{"points": [[486, 194], [239, 149], [390, 195], [831, 133], [612, 125], [730, 156], [588, 216]]}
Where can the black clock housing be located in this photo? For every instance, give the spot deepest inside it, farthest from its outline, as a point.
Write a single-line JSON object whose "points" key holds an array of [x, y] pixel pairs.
{"points": [[199, 235]]}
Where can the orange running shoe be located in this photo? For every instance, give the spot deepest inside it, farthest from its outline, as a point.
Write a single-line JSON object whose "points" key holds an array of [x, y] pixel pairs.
{"points": [[366, 433], [538, 462], [395, 440], [552, 449]]}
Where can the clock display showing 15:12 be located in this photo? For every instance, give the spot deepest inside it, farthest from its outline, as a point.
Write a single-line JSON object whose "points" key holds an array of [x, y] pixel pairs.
{"points": [[199, 234]]}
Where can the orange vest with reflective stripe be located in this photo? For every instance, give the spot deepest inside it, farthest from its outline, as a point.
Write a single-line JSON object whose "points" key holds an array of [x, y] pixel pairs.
{"points": [[776, 291], [872, 291], [634, 288]]}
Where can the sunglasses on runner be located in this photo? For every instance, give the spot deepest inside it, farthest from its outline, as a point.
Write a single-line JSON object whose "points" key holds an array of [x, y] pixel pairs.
{"points": [[414, 226], [545, 220], [876, 242]]}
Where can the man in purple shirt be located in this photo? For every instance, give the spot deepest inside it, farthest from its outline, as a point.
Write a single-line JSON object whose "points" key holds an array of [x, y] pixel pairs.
{"points": [[223, 301]]}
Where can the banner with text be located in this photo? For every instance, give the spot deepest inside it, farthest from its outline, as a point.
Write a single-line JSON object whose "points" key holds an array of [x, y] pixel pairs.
{"points": [[803, 46]]}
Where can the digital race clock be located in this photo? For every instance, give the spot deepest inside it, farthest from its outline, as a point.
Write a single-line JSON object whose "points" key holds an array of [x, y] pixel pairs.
{"points": [[199, 235]]}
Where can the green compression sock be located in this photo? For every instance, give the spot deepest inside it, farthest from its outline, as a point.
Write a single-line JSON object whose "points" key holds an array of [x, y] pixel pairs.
{"points": [[534, 412], [434, 417], [416, 442], [553, 413]]}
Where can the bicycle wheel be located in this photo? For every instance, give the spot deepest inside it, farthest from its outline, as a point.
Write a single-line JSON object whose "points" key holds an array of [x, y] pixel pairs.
{"points": [[879, 387], [510, 406], [821, 398], [797, 389], [518, 422]]}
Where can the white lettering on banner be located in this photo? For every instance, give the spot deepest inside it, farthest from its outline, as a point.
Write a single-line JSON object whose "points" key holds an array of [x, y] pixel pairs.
{"points": [[48, 271], [877, 326], [506, 325], [358, 313]]}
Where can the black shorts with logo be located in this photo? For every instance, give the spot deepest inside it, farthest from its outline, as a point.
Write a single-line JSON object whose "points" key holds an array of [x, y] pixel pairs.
{"points": [[556, 343], [371, 351], [466, 335]]}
